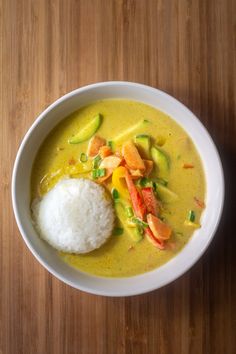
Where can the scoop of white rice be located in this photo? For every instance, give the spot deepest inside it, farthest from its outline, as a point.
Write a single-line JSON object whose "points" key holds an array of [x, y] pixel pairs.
{"points": [[75, 216]]}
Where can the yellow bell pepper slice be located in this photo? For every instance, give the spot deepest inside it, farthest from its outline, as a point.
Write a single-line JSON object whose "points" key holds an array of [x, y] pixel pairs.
{"points": [[118, 181]]}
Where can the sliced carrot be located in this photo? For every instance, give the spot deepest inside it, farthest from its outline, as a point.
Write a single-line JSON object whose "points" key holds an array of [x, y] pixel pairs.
{"points": [[110, 162], [199, 203], [95, 143], [150, 200], [136, 198], [105, 151], [132, 157], [148, 167], [160, 230], [151, 238], [188, 165]]}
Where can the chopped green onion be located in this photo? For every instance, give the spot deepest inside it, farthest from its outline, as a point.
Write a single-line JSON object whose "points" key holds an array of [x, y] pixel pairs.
{"points": [[83, 157], [96, 161], [179, 233], [144, 181], [129, 212], [94, 174], [110, 143], [191, 216], [139, 233], [140, 222], [118, 231], [139, 230], [115, 193], [147, 182], [101, 172]]}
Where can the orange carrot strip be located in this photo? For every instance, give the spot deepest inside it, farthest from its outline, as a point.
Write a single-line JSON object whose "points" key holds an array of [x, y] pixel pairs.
{"points": [[95, 143], [135, 196], [159, 229], [150, 200], [199, 203], [188, 165], [132, 157], [151, 238], [105, 151]]}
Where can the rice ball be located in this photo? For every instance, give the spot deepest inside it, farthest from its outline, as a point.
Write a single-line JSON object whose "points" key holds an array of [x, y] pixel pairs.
{"points": [[75, 216]]}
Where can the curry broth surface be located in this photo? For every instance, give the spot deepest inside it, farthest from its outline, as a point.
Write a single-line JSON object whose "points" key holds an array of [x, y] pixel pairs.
{"points": [[121, 256]]}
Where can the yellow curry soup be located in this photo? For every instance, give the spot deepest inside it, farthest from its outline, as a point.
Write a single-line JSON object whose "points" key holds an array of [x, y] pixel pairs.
{"points": [[123, 120]]}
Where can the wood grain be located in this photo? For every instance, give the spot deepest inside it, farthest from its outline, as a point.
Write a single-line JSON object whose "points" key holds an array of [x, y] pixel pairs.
{"points": [[186, 48]]}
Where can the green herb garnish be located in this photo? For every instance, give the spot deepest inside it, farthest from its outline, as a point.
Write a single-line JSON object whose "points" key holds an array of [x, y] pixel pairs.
{"points": [[94, 174], [110, 143], [96, 161], [115, 193], [154, 185], [191, 216], [139, 222], [139, 233], [129, 212], [83, 157], [101, 172], [144, 181]]}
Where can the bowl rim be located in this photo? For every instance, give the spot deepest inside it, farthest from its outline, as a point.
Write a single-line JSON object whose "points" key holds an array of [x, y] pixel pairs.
{"points": [[38, 256]]}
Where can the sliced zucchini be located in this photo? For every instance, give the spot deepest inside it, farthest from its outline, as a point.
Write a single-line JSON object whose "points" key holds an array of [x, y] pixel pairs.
{"points": [[88, 131], [132, 130], [137, 234], [78, 168], [142, 141], [134, 231], [161, 160], [161, 140], [165, 194]]}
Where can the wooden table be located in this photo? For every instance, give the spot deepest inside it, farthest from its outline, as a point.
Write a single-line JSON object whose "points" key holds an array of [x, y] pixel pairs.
{"points": [[186, 48]]}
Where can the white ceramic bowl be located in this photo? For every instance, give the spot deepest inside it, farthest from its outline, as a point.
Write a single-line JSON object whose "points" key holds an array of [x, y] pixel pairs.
{"points": [[196, 246]]}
